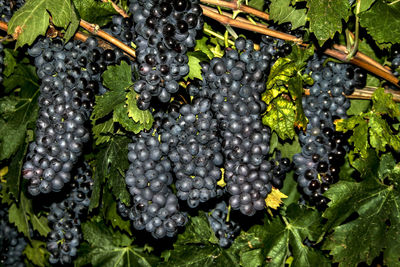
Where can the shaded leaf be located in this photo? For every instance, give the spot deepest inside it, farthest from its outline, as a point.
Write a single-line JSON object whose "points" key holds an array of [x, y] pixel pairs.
{"points": [[326, 17], [36, 252], [381, 20], [282, 11], [95, 12], [111, 248]]}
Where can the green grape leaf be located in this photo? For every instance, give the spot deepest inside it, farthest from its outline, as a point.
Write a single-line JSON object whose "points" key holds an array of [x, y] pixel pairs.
{"points": [[118, 77], [381, 22], [121, 116], [257, 4], [326, 17], [111, 248], [370, 129], [22, 216], [9, 62], [13, 176], [106, 103], [282, 11], [110, 165], [23, 76], [199, 237], [383, 103], [32, 20], [103, 131], [140, 116], [111, 215], [281, 72], [279, 239], [36, 252], [16, 115], [194, 64], [365, 5], [201, 45], [358, 106], [295, 87], [95, 12], [280, 117], [376, 205]]}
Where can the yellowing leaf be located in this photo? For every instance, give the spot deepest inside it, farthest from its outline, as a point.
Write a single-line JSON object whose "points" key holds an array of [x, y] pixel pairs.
{"points": [[274, 199]]}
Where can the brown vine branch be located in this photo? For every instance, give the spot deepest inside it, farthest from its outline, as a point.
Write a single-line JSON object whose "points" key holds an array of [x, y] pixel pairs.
{"points": [[225, 20], [235, 6], [117, 8], [95, 29], [3, 26], [363, 57]]}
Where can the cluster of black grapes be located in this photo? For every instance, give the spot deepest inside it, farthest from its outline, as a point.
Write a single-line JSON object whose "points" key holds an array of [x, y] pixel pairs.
{"points": [[165, 30], [323, 149], [224, 230], [65, 218], [195, 151], [122, 28], [7, 8], [234, 84], [280, 167], [12, 244], [70, 76], [155, 207]]}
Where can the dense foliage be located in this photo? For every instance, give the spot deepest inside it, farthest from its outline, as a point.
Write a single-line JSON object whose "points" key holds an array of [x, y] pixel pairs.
{"points": [[183, 133]]}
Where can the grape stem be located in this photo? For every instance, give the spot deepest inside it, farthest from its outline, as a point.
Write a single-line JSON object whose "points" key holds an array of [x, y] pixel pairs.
{"points": [[117, 8], [95, 30], [235, 6], [354, 49]]}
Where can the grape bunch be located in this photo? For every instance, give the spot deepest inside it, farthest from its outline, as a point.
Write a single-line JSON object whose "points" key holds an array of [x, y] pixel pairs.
{"points": [[70, 76], [12, 244], [155, 207], [225, 231], [323, 149], [234, 83], [7, 8], [165, 30], [122, 28], [65, 218], [280, 167], [195, 151]]}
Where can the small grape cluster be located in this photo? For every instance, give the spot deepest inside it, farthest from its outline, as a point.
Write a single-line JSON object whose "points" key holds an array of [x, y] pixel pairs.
{"points": [[195, 151], [323, 149], [122, 28], [165, 30], [12, 244], [280, 167], [70, 76], [234, 84], [155, 207], [224, 230], [65, 218], [7, 8]]}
